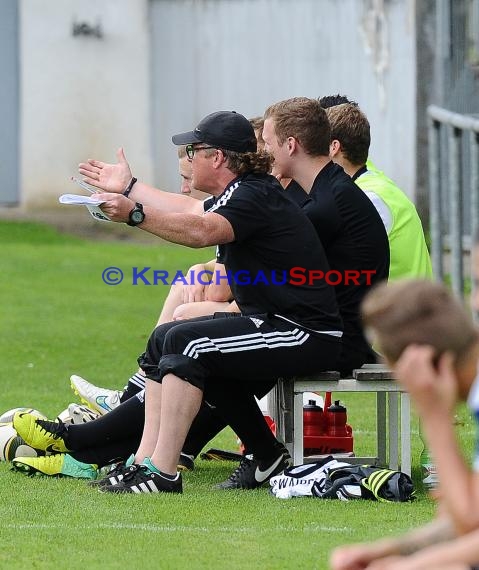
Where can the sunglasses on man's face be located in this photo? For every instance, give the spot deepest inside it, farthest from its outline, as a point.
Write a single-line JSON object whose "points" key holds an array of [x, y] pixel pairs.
{"points": [[191, 149]]}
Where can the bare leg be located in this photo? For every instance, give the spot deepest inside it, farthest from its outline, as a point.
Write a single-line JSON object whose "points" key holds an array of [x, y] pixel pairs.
{"points": [[153, 397], [180, 402]]}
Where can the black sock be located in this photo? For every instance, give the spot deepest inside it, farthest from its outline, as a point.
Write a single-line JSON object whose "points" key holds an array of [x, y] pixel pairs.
{"points": [[205, 426], [135, 384], [107, 454], [124, 422]]}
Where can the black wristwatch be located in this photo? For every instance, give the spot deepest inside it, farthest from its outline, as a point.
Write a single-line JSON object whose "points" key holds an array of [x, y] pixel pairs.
{"points": [[136, 216]]}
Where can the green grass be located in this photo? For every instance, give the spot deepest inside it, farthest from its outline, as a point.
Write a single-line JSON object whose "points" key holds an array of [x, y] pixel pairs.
{"points": [[59, 318]]}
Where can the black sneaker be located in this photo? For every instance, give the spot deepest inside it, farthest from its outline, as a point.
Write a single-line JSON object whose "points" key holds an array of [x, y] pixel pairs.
{"points": [[214, 454], [142, 480], [280, 448], [251, 474], [115, 475], [186, 462]]}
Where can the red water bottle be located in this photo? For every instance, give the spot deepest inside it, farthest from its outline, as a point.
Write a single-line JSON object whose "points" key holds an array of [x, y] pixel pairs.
{"points": [[337, 418], [313, 422]]}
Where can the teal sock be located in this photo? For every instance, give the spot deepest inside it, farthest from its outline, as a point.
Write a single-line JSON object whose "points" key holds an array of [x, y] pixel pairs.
{"points": [[153, 469]]}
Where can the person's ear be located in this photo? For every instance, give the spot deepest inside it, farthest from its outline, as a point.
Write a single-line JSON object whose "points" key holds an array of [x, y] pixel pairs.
{"points": [[292, 145], [334, 148], [219, 158]]}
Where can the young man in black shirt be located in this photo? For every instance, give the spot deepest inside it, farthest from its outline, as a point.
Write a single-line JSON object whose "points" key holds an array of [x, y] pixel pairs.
{"points": [[297, 134], [285, 327]]}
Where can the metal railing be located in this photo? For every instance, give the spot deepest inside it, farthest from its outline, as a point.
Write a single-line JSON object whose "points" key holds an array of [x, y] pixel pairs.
{"points": [[452, 191]]}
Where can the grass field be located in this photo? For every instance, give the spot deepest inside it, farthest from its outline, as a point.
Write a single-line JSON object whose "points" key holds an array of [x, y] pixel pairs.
{"points": [[58, 317]]}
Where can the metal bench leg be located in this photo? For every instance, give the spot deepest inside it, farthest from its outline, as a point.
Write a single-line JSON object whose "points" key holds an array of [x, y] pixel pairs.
{"points": [[381, 427], [393, 434], [298, 446], [405, 433], [274, 410], [285, 425]]}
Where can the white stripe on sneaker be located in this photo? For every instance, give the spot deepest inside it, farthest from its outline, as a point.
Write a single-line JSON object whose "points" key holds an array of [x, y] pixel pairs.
{"points": [[115, 480]]}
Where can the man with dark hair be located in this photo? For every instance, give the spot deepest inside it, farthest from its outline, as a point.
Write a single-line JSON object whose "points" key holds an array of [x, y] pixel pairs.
{"points": [[350, 140], [333, 100], [285, 327]]}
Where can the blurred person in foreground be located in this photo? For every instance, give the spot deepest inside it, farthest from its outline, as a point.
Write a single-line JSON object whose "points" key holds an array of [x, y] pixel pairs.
{"points": [[430, 341]]}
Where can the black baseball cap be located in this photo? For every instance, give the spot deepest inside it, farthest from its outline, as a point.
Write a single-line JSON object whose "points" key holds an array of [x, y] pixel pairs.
{"points": [[224, 129]]}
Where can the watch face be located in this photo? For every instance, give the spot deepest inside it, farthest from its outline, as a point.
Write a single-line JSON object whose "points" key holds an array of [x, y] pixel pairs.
{"points": [[137, 217]]}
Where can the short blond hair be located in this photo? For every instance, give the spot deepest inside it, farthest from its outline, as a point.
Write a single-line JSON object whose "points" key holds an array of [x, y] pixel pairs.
{"points": [[417, 312], [182, 151], [258, 123], [305, 120]]}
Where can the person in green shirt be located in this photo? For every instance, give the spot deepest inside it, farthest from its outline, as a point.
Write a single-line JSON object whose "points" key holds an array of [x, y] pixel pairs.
{"points": [[350, 140]]}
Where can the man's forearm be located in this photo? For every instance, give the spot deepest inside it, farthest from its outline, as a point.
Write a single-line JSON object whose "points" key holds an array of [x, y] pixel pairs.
{"points": [[464, 549], [166, 201], [192, 228], [461, 499], [187, 229], [438, 531]]}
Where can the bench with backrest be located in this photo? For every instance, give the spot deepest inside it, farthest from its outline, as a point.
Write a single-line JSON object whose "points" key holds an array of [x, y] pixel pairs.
{"points": [[392, 412]]}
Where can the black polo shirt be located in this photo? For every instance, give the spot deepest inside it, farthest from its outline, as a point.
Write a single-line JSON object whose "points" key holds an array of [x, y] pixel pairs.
{"points": [[354, 239], [272, 237]]}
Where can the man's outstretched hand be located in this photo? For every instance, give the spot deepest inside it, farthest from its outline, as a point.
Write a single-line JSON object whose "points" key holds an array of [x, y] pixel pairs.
{"points": [[107, 177]]}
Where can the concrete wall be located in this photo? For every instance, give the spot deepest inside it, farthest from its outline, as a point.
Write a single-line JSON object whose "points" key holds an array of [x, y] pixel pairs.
{"points": [[9, 102], [245, 54], [81, 96]]}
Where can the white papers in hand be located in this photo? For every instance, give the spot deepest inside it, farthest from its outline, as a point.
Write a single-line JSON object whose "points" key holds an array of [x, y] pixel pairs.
{"points": [[90, 202]]}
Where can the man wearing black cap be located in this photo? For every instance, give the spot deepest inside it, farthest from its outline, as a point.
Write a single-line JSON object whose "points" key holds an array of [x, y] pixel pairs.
{"points": [[285, 328]]}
